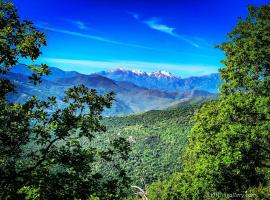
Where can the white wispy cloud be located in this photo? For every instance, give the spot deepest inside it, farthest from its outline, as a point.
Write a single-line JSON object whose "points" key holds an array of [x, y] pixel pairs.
{"points": [[78, 23], [134, 15], [106, 40], [91, 66], [78, 34], [91, 37], [155, 23]]}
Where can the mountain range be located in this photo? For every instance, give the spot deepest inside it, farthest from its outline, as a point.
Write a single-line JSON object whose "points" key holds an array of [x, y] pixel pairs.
{"points": [[136, 91], [164, 80]]}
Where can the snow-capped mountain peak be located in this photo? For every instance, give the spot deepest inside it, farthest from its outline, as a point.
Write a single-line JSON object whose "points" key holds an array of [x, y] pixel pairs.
{"points": [[162, 80], [157, 74], [123, 70], [119, 69], [162, 73], [138, 72]]}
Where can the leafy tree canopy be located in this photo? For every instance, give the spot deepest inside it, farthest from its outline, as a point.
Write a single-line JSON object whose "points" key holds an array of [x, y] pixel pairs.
{"points": [[47, 152], [229, 145]]}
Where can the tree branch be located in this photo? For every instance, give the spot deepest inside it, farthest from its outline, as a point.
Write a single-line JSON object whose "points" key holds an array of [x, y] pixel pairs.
{"points": [[39, 162]]}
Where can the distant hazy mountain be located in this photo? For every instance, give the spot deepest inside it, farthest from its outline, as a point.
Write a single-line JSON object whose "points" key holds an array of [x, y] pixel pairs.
{"points": [[130, 98], [208, 83], [56, 72], [156, 80], [161, 80], [164, 80]]}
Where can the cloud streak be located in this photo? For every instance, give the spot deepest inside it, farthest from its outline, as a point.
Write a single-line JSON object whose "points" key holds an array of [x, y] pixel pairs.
{"points": [[82, 35], [155, 23], [134, 15], [81, 25], [92, 37], [78, 23], [105, 40]]}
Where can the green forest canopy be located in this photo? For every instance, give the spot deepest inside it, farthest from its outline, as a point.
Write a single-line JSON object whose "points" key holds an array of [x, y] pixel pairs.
{"points": [[229, 145]]}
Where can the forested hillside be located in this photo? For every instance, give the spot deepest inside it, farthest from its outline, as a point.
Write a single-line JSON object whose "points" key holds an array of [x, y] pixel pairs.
{"points": [[227, 154], [157, 139]]}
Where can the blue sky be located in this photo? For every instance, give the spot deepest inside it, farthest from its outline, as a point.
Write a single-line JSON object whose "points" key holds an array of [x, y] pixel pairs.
{"points": [[173, 35]]}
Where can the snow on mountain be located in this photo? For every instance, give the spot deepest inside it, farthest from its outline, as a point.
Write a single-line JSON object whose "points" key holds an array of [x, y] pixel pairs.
{"points": [[164, 80], [120, 69], [157, 74], [136, 91], [162, 73], [161, 80], [138, 72]]}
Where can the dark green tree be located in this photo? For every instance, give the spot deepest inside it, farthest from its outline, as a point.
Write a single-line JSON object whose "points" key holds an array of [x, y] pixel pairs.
{"points": [[228, 155], [47, 152]]}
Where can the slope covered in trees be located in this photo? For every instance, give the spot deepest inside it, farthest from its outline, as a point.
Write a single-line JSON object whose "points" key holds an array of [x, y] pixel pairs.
{"points": [[227, 156], [157, 138]]}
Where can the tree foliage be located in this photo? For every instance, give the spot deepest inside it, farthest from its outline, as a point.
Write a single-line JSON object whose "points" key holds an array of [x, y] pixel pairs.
{"points": [[47, 152], [229, 145], [157, 138]]}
